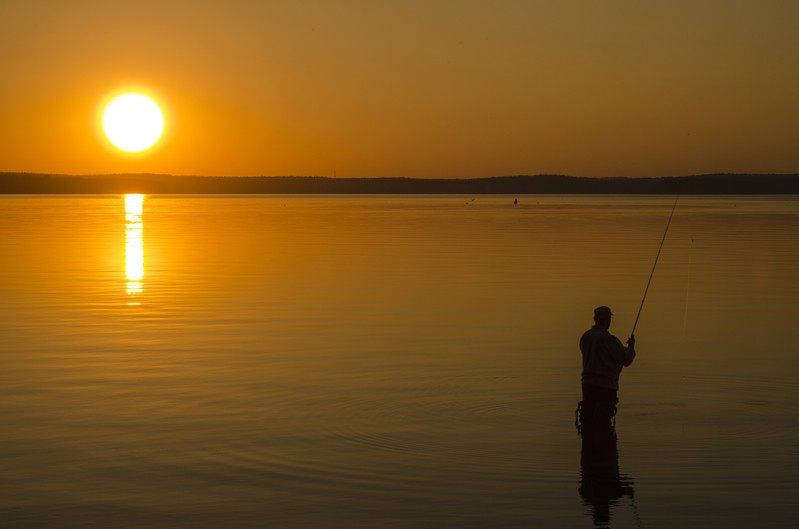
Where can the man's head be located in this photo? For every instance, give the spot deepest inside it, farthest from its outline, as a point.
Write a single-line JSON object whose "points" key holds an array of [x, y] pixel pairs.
{"points": [[602, 316]]}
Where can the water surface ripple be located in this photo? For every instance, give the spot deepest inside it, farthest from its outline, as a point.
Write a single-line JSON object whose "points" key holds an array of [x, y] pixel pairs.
{"points": [[383, 361]]}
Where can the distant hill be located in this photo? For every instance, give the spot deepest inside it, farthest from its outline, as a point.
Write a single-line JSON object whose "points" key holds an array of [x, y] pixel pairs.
{"points": [[747, 184]]}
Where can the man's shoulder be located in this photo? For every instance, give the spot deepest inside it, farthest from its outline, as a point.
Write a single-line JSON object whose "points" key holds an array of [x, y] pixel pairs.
{"points": [[596, 330], [600, 334], [593, 335]]}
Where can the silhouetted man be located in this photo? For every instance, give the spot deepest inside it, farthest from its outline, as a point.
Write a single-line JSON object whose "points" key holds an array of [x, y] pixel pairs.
{"points": [[604, 356]]}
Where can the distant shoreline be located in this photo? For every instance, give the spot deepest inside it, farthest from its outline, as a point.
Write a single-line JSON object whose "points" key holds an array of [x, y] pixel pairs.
{"points": [[706, 184]]}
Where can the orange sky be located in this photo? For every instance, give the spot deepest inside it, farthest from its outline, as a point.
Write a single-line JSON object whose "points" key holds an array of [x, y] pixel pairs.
{"points": [[419, 88]]}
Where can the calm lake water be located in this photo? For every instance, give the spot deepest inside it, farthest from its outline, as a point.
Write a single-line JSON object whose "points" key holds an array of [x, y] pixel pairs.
{"points": [[393, 362]]}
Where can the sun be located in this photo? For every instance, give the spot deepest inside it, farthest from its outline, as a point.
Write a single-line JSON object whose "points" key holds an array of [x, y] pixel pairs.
{"points": [[133, 122]]}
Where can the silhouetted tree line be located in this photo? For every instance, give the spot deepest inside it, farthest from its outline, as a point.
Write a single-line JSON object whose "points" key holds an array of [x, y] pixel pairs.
{"points": [[755, 184]]}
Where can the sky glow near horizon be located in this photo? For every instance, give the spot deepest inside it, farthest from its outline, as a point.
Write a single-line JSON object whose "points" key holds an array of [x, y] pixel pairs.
{"points": [[421, 89]]}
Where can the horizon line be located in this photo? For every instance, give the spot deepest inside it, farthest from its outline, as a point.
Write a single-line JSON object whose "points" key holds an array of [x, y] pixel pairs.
{"points": [[560, 175]]}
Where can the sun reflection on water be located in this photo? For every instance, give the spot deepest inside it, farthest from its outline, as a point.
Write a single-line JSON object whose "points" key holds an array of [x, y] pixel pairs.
{"points": [[134, 246]]}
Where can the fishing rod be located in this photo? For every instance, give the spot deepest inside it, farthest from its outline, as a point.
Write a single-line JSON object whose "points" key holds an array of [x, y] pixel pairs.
{"points": [[654, 265]]}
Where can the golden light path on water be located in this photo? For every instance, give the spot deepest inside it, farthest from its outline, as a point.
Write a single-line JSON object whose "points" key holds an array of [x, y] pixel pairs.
{"points": [[134, 246]]}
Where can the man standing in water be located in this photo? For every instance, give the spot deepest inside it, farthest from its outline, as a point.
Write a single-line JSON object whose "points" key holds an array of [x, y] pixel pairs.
{"points": [[604, 356]]}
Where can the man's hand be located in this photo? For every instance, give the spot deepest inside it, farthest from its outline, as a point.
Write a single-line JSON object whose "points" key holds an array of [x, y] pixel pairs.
{"points": [[629, 354]]}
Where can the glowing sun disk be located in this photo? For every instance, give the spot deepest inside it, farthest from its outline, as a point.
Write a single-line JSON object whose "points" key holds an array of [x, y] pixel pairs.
{"points": [[133, 122]]}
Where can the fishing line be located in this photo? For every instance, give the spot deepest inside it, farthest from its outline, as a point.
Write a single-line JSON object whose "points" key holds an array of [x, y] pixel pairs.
{"points": [[638, 523], [687, 289], [655, 265]]}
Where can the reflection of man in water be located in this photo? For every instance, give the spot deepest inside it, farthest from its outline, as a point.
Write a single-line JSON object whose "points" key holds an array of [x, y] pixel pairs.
{"points": [[601, 484], [604, 356]]}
